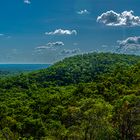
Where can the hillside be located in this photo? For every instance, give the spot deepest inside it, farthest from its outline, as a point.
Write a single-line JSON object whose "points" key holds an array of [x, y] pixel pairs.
{"points": [[85, 97], [83, 68], [78, 69]]}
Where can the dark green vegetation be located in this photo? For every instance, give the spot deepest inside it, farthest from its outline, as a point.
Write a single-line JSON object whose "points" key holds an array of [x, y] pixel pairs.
{"points": [[85, 97]]}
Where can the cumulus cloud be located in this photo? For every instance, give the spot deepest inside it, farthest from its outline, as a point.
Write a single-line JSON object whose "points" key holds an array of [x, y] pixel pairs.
{"points": [[70, 52], [83, 12], [131, 44], [27, 1], [62, 32], [126, 18], [51, 45]]}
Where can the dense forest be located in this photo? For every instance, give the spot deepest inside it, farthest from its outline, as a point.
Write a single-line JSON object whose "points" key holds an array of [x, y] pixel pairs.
{"points": [[93, 96]]}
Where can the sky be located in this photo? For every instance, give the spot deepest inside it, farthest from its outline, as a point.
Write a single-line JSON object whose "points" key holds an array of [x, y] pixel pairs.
{"points": [[46, 31]]}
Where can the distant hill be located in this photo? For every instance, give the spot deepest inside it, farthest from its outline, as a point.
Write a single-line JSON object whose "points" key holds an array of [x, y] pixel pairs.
{"points": [[83, 68], [77, 69]]}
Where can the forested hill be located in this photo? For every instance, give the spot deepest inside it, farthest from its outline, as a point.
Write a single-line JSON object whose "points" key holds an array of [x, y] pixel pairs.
{"points": [[84, 68], [78, 69], [85, 97]]}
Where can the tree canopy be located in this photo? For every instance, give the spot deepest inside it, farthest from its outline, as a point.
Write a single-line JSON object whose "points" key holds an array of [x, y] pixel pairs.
{"points": [[85, 97]]}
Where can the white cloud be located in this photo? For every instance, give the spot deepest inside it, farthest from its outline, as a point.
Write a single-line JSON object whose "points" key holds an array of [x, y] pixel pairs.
{"points": [[130, 44], [41, 47], [55, 44], [70, 52], [62, 32], [27, 1], [51, 45], [126, 18], [83, 12]]}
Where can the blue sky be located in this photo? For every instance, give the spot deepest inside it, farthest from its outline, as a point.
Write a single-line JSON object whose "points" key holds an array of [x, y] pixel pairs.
{"points": [[45, 31]]}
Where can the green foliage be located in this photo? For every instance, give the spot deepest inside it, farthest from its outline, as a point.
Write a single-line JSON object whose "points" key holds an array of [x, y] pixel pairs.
{"points": [[85, 97]]}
